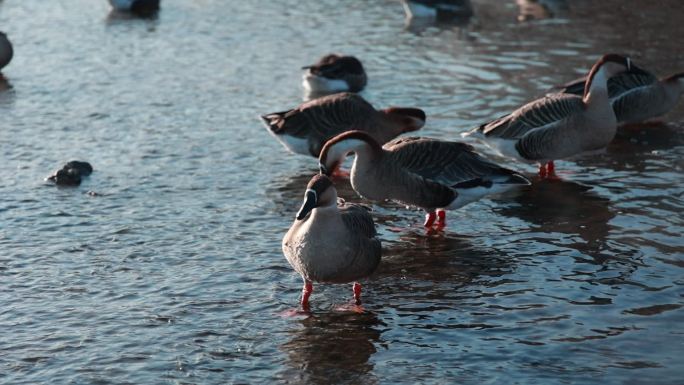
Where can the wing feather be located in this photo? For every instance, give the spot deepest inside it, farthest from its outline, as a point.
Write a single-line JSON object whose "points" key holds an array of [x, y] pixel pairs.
{"points": [[444, 162], [358, 218], [539, 113]]}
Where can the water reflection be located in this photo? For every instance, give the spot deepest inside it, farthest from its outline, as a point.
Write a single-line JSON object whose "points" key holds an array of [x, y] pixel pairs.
{"points": [[636, 147], [566, 207], [331, 348], [541, 9], [434, 266]]}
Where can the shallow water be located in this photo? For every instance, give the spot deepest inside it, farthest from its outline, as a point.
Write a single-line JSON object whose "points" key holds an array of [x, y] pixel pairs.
{"points": [[172, 271]]}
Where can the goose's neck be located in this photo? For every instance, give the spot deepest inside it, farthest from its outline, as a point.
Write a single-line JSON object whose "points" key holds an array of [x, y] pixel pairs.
{"points": [[596, 89]]}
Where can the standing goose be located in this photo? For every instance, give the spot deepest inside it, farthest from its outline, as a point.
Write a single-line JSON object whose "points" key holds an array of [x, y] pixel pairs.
{"points": [[431, 174], [558, 126], [140, 7], [437, 9], [334, 73], [331, 241], [6, 51], [305, 129], [638, 95]]}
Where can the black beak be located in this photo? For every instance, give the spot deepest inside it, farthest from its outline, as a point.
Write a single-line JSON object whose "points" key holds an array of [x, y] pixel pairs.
{"points": [[310, 200], [307, 67]]}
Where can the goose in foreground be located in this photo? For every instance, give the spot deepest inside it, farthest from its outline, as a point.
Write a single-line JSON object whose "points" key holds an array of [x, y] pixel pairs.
{"points": [[558, 126], [334, 73], [140, 7], [305, 129], [637, 96], [331, 241], [431, 174], [437, 9], [6, 51]]}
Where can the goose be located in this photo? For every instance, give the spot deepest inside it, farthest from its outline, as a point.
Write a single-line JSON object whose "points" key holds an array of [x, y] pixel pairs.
{"points": [[431, 174], [6, 51], [305, 129], [637, 96], [558, 126], [437, 9], [142, 7], [334, 73], [331, 241]]}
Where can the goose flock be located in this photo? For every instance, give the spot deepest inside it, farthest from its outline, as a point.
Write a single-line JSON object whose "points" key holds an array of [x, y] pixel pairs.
{"points": [[334, 241]]}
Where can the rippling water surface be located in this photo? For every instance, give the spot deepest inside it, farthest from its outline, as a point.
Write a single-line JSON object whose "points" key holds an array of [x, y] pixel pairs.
{"points": [[172, 272]]}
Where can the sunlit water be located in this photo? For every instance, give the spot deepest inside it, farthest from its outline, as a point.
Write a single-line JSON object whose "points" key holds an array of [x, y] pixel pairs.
{"points": [[171, 270]]}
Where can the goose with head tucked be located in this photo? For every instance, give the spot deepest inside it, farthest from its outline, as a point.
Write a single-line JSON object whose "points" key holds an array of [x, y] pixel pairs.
{"points": [[138, 7], [334, 73], [431, 174], [331, 241], [559, 126], [637, 95], [6, 51], [441, 10], [305, 129]]}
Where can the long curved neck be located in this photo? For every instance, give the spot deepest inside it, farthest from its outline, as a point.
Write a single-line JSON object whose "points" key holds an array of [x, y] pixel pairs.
{"points": [[596, 88]]}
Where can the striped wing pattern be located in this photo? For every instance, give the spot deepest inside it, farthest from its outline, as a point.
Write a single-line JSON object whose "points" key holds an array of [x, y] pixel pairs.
{"points": [[448, 163], [323, 118], [358, 218], [539, 113]]}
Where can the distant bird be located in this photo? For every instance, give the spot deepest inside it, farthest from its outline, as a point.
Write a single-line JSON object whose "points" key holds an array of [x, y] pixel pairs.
{"points": [[6, 51], [441, 10], [305, 129], [141, 7], [431, 174], [331, 241], [334, 73], [558, 126], [637, 96], [541, 9]]}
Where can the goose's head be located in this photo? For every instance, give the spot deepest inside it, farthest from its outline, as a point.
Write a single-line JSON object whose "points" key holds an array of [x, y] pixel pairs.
{"points": [[336, 149], [320, 192], [405, 119], [610, 65]]}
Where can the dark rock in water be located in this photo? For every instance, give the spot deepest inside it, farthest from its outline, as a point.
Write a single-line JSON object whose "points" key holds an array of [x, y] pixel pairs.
{"points": [[66, 177], [71, 173], [84, 168]]}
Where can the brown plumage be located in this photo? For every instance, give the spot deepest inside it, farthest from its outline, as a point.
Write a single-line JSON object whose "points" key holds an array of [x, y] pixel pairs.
{"points": [[431, 174], [559, 125], [304, 130], [331, 241]]}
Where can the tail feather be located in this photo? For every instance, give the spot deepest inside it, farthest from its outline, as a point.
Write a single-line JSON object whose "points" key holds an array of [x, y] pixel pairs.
{"points": [[275, 121]]}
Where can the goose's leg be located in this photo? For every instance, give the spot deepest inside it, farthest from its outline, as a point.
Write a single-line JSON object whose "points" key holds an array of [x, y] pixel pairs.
{"points": [[542, 171], [429, 219], [551, 171], [357, 293], [306, 293], [441, 218]]}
